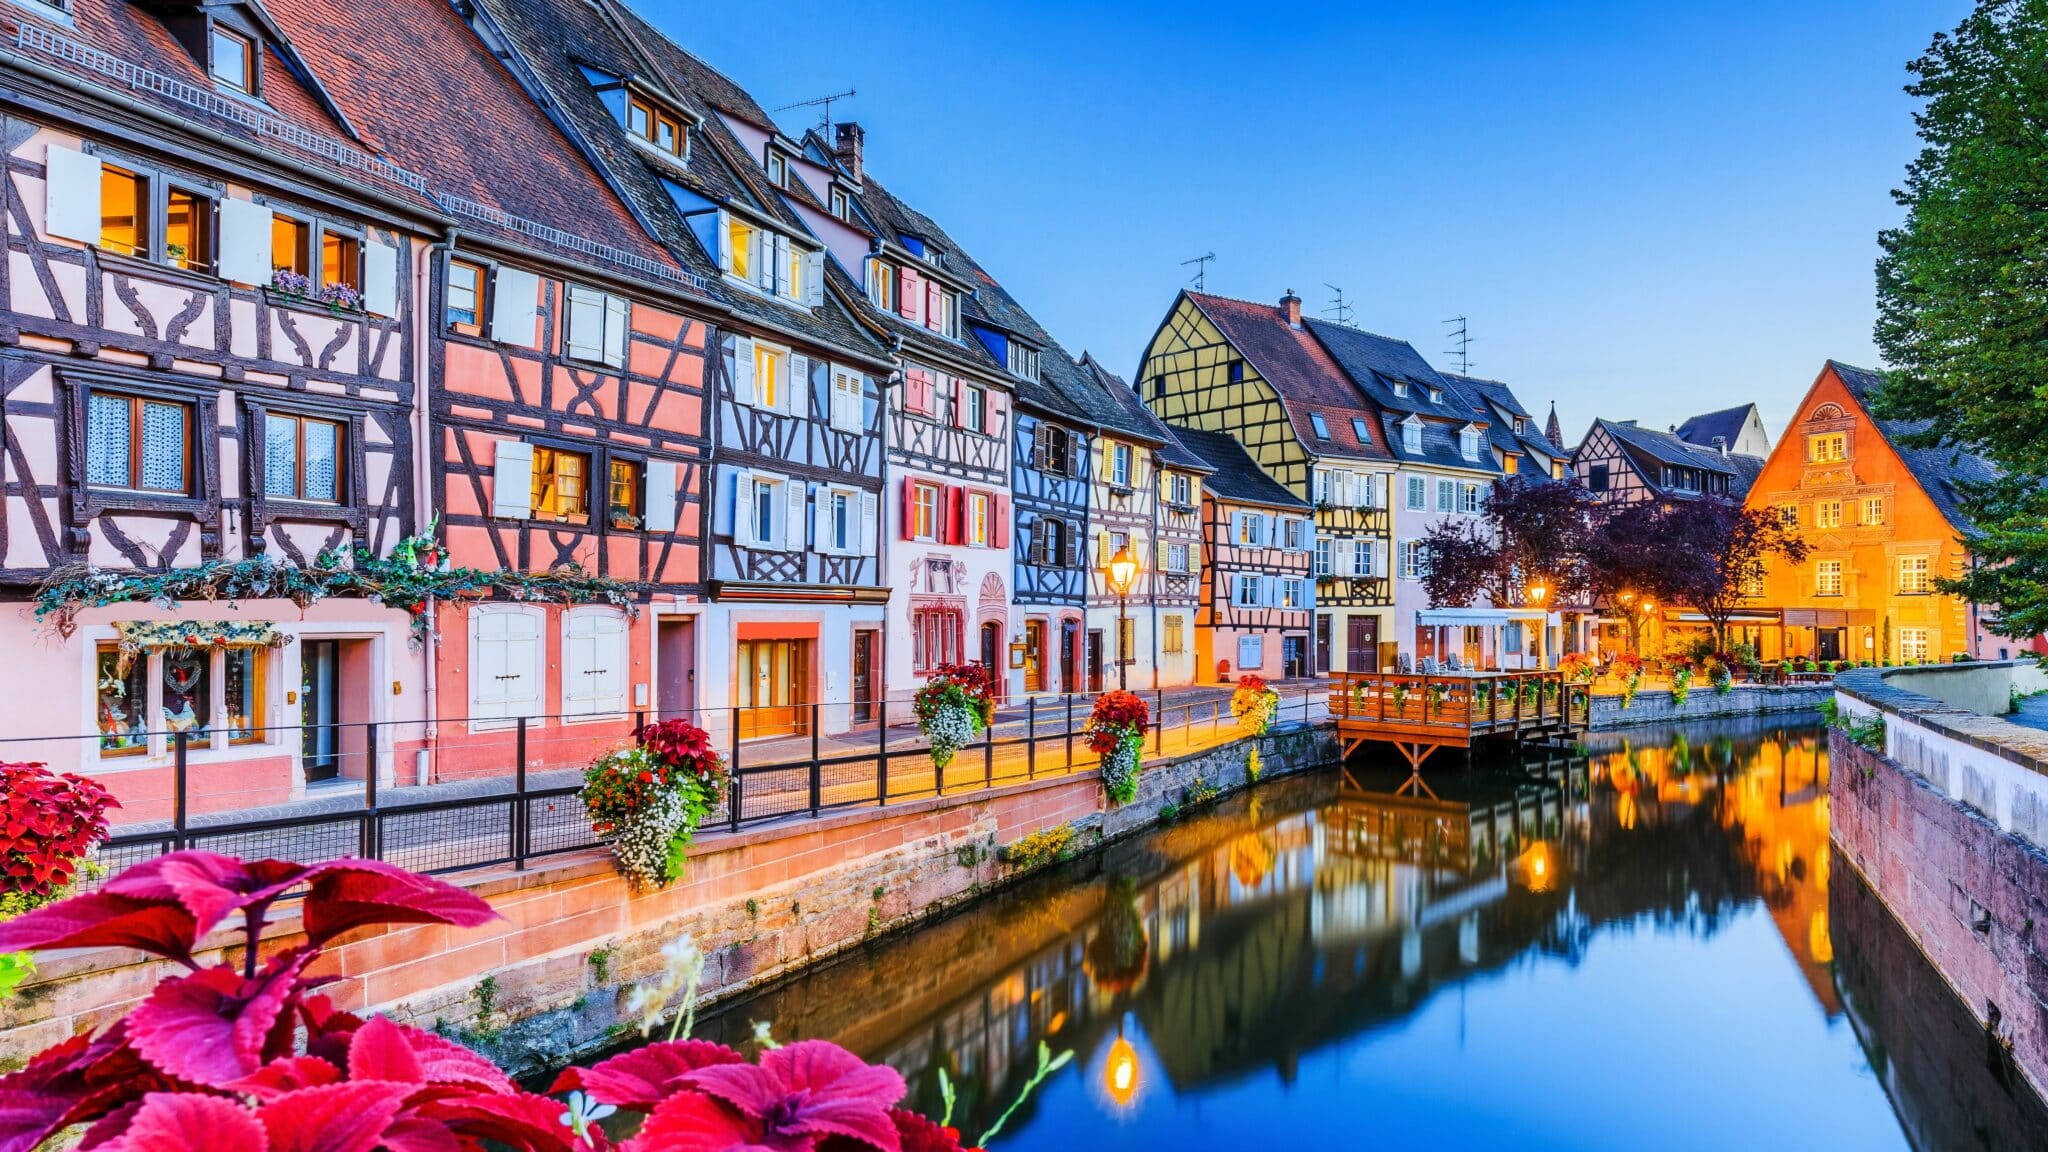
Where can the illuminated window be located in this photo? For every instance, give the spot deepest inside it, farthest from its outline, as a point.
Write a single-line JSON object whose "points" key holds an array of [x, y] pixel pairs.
{"points": [[622, 509], [770, 364], [1914, 576], [341, 260], [185, 688], [882, 284], [1873, 510], [649, 121], [1827, 447], [1913, 644], [1468, 498], [1414, 559], [122, 703], [188, 230], [124, 212], [979, 525], [1827, 578], [142, 445], [561, 485], [740, 236], [465, 309], [1827, 514], [1788, 515], [924, 511], [291, 245], [302, 458], [232, 62], [242, 695]]}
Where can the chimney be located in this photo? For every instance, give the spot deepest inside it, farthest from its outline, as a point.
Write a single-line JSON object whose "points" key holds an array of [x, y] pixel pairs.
{"points": [[1721, 445], [847, 142], [1290, 307]]}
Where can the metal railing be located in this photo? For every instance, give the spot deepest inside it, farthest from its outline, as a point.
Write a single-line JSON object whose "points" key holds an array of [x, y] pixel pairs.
{"points": [[528, 806]]}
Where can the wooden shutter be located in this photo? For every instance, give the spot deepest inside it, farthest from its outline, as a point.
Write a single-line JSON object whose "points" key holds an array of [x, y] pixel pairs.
{"points": [[1162, 563], [1194, 560], [960, 401], [955, 518], [724, 242], [999, 530], [245, 242], [506, 663], [613, 351], [910, 295], [1071, 535], [796, 528], [845, 412], [659, 503], [908, 529], [870, 512], [512, 480], [515, 307], [742, 370], [992, 409], [72, 196], [743, 508], [380, 279], [934, 305], [594, 660], [814, 279], [584, 338], [796, 397]]}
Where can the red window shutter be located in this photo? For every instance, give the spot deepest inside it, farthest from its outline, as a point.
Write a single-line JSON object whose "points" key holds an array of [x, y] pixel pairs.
{"points": [[909, 509], [910, 296], [959, 399], [934, 308], [1001, 528], [956, 514], [991, 416]]}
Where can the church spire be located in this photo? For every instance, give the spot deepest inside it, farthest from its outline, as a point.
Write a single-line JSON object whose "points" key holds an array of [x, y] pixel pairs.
{"points": [[1551, 431]]}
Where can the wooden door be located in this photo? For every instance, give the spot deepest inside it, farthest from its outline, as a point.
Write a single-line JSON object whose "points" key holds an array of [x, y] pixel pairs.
{"points": [[773, 680], [1324, 627], [1095, 661], [1070, 644], [507, 662], [865, 650], [1362, 643], [676, 641], [1034, 656]]}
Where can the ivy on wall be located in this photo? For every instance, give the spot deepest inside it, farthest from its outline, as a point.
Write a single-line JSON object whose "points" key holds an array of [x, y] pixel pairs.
{"points": [[416, 571]]}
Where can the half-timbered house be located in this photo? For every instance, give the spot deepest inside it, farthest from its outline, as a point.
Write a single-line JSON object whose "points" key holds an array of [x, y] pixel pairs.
{"points": [[207, 356], [1621, 462], [1258, 589], [782, 621], [1261, 373], [1049, 480]]}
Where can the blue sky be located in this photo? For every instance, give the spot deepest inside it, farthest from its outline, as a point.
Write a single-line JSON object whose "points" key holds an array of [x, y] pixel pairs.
{"points": [[1646, 210]]}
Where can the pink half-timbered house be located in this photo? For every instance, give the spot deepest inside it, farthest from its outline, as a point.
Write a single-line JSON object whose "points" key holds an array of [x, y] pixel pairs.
{"points": [[209, 357]]}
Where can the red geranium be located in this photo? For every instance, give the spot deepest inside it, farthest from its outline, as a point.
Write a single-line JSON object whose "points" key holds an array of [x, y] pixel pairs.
{"points": [[1117, 714], [680, 746], [47, 824]]}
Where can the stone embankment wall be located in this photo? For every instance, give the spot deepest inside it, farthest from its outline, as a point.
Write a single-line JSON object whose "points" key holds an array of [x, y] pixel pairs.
{"points": [[1944, 825], [1703, 703], [549, 980]]}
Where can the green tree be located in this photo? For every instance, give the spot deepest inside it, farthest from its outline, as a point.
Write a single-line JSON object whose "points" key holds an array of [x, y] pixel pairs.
{"points": [[1963, 292]]}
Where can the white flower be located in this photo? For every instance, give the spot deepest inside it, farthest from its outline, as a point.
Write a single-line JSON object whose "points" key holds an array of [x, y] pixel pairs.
{"points": [[582, 1113]]}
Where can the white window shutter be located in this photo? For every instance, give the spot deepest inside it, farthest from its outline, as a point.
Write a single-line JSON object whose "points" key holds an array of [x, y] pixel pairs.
{"points": [[585, 336], [845, 413], [660, 500], [515, 307], [72, 195], [614, 352], [380, 279], [814, 279], [743, 508], [724, 242], [870, 522], [1379, 558], [245, 242], [796, 397], [512, 480], [742, 370], [1343, 559], [796, 528]]}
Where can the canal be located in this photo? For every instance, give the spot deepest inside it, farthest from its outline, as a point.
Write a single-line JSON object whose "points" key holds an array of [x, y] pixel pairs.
{"points": [[1645, 944]]}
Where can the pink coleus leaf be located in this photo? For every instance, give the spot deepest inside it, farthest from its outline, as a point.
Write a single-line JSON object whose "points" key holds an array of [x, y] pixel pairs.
{"points": [[213, 1027], [383, 1050], [640, 1079], [287, 1075], [812, 1088], [103, 920], [331, 1118], [694, 1122], [187, 1122], [348, 894], [518, 1120], [208, 885], [413, 1134]]}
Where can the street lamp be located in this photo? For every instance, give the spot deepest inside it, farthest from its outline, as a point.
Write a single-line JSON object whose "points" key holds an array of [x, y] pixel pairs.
{"points": [[1538, 593], [1123, 574]]}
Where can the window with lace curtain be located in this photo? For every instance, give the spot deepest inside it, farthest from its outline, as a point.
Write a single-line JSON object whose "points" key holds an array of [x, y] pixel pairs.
{"points": [[302, 458], [138, 444]]}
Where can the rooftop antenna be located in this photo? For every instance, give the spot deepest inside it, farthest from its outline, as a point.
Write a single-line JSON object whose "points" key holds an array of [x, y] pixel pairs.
{"points": [[822, 102], [1338, 305], [1461, 345], [1201, 264]]}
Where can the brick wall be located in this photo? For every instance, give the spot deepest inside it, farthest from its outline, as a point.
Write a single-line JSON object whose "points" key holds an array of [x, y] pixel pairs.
{"points": [[1973, 897], [761, 904], [1703, 703]]}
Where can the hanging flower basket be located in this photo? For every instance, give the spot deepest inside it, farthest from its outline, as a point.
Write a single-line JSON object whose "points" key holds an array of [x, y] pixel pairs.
{"points": [[1254, 704], [1116, 732], [649, 799], [955, 704]]}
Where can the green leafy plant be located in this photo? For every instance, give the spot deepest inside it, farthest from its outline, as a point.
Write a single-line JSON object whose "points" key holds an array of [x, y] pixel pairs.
{"points": [[649, 799], [1681, 684], [1198, 793]]}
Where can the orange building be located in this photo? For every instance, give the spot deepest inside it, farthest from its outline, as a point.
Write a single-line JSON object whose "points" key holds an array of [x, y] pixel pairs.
{"points": [[1882, 520]]}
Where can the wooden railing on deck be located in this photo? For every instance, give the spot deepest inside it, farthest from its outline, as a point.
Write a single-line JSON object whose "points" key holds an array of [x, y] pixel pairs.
{"points": [[1481, 703]]}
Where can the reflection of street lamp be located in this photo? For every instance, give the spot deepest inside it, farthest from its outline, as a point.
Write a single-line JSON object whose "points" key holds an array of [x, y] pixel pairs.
{"points": [[1123, 573], [1120, 1071]]}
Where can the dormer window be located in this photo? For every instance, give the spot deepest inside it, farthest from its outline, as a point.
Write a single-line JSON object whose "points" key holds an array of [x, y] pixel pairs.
{"points": [[882, 284], [769, 262], [842, 204], [1023, 360], [1401, 389], [650, 122], [1521, 426], [1360, 430], [1436, 395], [231, 60], [778, 169], [1468, 443], [1411, 435], [1322, 427]]}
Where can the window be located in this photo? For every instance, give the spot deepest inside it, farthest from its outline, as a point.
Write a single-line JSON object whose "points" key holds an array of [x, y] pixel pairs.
{"points": [[1512, 463], [1752, 586], [1827, 514], [1360, 429], [122, 704], [1683, 479], [1596, 478], [1292, 532], [1248, 590], [934, 638], [1176, 557], [980, 527], [1447, 496], [770, 365], [1120, 466], [1913, 644], [295, 243], [341, 260], [1180, 490], [215, 696], [881, 283], [232, 60], [596, 328], [740, 236], [1873, 510], [1436, 395], [1788, 515], [948, 323], [1322, 428], [1468, 499], [1401, 389], [1913, 576], [1052, 450], [1414, 560], [767, 496], [973, 412], [1362, 556], [1251, 651], [622, 507], [1411, 436], [1828, 578], [1323, 561], [1292, 594], [1251, 529], [1322, 486], [465, 305], [561, 485], [188, 230], [291, 245], [924, 512], [142, 445], [1049, 542], [1468, 443], [778, 169], [656, 125], [124, 212], [842, 205], [1023, 360], [302, 458], [186, 692], [1235, 373], [1418, 494], [1173, 634], [1827, 447]]}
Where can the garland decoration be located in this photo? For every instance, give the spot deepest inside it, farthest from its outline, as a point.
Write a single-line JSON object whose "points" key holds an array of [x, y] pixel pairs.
{"points": [[418, 570]]}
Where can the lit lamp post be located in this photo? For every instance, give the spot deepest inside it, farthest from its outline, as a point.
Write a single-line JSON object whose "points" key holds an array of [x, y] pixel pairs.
{"points": [[1537, 594], [1123, 575]]}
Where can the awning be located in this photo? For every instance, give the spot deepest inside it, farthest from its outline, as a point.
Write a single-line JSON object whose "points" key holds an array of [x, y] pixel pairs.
{"points": [[1829, 617], [1493, 617], [1737, 618], [138, 637]]}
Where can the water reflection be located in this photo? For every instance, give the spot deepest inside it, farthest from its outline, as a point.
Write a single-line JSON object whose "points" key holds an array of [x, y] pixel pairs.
{"points": [[1520, 954]]}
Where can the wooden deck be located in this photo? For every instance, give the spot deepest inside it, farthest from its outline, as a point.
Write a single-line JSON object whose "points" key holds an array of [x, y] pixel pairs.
{"points": [[1419, 714]]}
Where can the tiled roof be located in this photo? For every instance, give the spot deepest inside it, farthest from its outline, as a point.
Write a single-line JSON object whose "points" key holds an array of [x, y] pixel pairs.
{"points": [[1652, 448], [1502, 396], [1504, 411], [1939, 470], [1728, 424], [1308, 379], [1376, 363], [1440, 447], [893, 218], [1234, 475]]}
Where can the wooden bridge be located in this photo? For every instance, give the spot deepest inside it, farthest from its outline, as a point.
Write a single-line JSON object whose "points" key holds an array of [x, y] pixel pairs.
{"points": [[1419, 714]]}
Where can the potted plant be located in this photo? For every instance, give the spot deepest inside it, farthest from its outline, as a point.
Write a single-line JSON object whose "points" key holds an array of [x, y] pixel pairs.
{"points": [[650, 798], [955, 704], [1116, 732], [1579, 667], [1681, 684], [1628, 667], [1254, 704]]}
